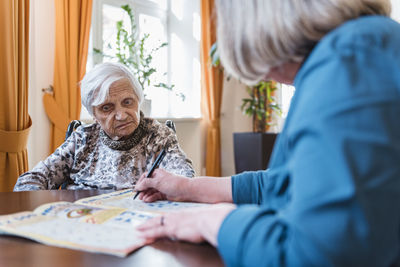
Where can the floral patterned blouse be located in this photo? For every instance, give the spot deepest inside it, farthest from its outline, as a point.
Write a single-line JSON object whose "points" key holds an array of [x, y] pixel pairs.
{"points": [[89, 159]]}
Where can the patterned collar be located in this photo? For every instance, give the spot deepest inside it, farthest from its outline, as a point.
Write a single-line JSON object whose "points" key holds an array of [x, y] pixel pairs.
{"points": [[128, 142]]}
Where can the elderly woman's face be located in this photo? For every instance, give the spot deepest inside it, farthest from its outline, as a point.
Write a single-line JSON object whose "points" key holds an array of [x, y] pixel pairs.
{"points": [[119, 115]]}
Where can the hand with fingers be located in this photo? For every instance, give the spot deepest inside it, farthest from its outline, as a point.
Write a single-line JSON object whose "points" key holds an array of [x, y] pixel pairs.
{"points": [[194, 225], [162, 185]]}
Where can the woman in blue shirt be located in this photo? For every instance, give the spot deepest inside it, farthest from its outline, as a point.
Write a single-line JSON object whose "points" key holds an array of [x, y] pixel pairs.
{"points": [[331, 193]]}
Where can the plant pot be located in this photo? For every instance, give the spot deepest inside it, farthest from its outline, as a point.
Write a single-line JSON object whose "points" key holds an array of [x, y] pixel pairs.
{"points": [[146, 107], [252, 150]]}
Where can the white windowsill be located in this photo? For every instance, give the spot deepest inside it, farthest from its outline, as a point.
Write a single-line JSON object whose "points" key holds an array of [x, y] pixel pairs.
{"points": [[179, 119], [90, 121]]}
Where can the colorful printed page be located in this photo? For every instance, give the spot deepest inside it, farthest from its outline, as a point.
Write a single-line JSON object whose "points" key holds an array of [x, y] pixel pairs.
{"points": [[77, 226], [95, 215], [103, 224], [124, 199]]}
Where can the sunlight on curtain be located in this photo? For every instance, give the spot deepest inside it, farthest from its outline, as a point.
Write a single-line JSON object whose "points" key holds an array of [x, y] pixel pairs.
{"points": [[212, 79], [15, 122]]}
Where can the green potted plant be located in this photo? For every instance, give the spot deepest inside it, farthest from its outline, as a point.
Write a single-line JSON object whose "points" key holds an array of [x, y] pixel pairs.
{"points": [[261, 105], [131, 51], [253, 149]]}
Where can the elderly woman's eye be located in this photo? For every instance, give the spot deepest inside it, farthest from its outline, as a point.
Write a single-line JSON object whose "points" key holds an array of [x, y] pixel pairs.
{"points": [[106, 108], [128, 101]]}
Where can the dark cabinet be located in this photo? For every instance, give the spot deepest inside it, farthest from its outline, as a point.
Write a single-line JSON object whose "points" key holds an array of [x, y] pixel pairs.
{"points": [[252, 150]]}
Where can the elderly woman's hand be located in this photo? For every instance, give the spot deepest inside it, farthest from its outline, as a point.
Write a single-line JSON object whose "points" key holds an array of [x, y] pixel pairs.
{"points": [[194, 225], [162, 185]]}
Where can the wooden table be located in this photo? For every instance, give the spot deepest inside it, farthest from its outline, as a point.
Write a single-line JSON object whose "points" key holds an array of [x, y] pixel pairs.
{"points": [[16, 251]]}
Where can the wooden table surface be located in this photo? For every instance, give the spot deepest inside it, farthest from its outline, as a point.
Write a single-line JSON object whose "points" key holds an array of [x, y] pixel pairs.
{"points": [[16, 251]]}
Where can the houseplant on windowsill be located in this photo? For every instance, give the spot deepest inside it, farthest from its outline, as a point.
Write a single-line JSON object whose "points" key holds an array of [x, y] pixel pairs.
{"points": [[132, 52], [253, 149]]}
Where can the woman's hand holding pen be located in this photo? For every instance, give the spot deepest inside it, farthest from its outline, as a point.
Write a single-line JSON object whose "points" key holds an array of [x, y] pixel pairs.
{"points": [[165, 185], [162, 185], [194, 225]]}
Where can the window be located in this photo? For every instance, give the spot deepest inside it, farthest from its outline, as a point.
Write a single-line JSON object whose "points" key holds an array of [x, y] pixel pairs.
{"points": [[283, 97], [287, 94], [174, 21]]}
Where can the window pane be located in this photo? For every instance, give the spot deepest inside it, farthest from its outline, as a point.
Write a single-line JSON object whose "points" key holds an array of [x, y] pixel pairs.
{"points": [[154, 27], [161, 3], [287, 94], [112, 14]]}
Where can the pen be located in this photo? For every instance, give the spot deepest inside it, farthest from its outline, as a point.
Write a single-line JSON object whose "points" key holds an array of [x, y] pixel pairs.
{"points": [[155, 165]]}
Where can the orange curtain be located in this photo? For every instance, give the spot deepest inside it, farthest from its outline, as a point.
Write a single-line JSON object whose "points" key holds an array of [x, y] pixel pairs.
{"points": [[73, 18], [212, 79], [15, 122]]}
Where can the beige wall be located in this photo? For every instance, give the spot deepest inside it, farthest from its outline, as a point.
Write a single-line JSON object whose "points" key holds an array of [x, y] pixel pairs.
{"points": [[41, 61], [232, 120]]}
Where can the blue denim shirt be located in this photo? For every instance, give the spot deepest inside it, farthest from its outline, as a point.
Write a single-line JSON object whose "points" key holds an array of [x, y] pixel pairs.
{"points": [[331, 194]]}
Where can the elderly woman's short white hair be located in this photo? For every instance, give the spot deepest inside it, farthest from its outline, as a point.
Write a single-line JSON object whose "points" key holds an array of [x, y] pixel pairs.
{"points": [[256, 35], [95, 86]]}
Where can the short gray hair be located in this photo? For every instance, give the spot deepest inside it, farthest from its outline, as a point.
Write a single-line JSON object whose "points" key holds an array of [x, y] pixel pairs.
{"points": [[256, 35], [95, 86]]}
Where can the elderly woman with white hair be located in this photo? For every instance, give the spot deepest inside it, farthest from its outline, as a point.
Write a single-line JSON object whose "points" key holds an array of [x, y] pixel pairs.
{"points": [[114, 151], [331, 194]]}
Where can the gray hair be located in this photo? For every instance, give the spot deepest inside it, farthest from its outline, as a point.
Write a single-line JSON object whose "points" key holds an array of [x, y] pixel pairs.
{"points": [[256, 35], [95, 86]]}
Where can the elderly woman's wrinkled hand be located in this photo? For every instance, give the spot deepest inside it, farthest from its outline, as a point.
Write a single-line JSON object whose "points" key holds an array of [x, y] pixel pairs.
{"points": [[194, 225], [162, 185]]}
